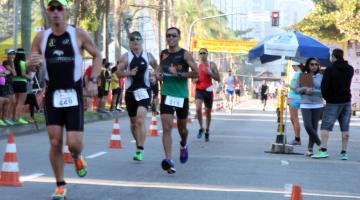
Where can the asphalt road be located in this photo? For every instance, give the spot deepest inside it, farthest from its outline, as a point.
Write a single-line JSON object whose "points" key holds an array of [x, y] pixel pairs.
{"points": [[233, 165]]}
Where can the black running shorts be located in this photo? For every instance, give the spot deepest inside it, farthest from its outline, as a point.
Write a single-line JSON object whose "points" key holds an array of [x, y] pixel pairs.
{"points": [[132, 105], [71, 117], [205, 96], [181, 113]]}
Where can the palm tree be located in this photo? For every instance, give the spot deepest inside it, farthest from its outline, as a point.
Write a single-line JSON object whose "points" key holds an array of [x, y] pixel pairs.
{"points": [[26, 24]]}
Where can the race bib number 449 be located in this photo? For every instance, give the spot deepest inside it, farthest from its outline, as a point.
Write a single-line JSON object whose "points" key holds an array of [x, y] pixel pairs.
{"points": [[174, 101], [65, 98]]}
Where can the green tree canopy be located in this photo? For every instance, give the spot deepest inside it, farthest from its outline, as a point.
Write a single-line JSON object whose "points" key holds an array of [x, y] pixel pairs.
{"points": [[332, 20]]}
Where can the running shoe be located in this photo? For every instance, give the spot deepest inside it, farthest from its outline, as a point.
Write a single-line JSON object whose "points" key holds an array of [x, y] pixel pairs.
{"points": [[59, 194], [309, 153], [207, 137], [320, 154], [168, 166], [21, 121], [139, 155], [201, 131], [295, 143], [184, 154], [2, 123], [9, 122], [344, 156], [80, 166]]}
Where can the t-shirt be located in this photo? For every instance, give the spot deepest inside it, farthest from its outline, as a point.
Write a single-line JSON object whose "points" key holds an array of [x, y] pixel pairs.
{"points": [[2, 78], [292, 94], [23, 69]]}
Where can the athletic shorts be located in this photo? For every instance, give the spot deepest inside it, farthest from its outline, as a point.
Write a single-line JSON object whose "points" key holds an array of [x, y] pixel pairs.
{"points": [[205, 96], [181, 113], [132, 105], [2, 91], [20, 86], [115, 91], [229, 92], [71, 117], [294, 103], [237, 92], [333, 112], [102, 92], [264, 97]]}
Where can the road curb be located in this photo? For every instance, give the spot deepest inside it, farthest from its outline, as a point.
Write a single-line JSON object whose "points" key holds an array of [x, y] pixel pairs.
{"points": [[33, 128]]}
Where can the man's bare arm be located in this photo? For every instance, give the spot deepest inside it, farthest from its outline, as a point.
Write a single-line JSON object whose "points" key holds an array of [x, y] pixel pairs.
{"points": [[90, 47], [123, 61], [215, 72], [34, 60], [191, 62]]}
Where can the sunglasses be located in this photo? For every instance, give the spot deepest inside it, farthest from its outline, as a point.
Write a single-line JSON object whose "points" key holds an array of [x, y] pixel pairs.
{"points": [[58, 8], [203, 53], [314, 64], [135, 38], [171, 35]]}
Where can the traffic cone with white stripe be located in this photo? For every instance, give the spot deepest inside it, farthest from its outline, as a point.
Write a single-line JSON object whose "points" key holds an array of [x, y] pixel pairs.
{"points": [[67, 155], [153, 130], [115, 140], [10, 168]]}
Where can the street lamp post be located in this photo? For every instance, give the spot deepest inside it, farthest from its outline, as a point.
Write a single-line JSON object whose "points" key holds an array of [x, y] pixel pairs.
{"points": [[205, 18]]}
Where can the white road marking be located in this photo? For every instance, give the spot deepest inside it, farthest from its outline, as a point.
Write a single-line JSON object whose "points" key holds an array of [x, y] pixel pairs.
{"points": [[287, 189], [96, 155], [30, 177], [194, 187], [132, 141], [284, 163]]}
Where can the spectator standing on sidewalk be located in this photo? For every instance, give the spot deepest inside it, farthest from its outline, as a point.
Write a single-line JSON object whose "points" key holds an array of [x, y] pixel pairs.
{"points": [[336, 92], [293, 101], [311, 102]]}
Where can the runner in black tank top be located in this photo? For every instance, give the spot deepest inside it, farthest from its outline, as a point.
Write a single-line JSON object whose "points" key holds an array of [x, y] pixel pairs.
{"points": [[57, 49], [134, 65]]}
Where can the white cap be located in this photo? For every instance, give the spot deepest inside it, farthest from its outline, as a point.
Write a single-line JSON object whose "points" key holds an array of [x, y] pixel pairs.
{"points": [[295, 63]]}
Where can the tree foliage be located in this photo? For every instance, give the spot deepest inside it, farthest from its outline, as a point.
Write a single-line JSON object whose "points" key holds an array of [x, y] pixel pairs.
{"points": [[332, 20]]}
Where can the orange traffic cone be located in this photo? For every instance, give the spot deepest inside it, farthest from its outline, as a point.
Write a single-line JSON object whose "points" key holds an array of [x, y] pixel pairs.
{"points": [[115, 140], [174, 123], [153, 130], [10, 168], [67, 155], [296, 193]]}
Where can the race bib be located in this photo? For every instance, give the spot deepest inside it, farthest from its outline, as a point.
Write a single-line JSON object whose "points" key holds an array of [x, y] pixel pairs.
{"points": [[174, 101], [65, 98], [141, 94], [210, 88]]}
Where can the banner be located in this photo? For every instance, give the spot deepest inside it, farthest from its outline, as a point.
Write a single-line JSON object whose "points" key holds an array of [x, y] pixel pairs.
{"points": [[227, 46]]}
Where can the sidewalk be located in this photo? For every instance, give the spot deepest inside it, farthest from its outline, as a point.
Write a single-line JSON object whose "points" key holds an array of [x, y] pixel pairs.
{"points": [[36, 128]]}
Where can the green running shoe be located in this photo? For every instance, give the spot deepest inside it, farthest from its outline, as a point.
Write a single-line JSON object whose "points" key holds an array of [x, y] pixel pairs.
{"points": [[320, 154], [80, 166], [2, 123], [139, 155], [344, 156], [59, 194], [21, 121]]}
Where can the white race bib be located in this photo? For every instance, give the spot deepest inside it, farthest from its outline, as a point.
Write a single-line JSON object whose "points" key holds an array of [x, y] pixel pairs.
{"points": [[174, 101], [141, 94], [210, 88], [65, 98]]}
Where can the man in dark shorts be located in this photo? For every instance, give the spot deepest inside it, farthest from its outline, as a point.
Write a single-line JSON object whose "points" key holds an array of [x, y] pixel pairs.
{"points": [[174, 73], [204, 91], [59, 50], [134, 65], [264, 90]]}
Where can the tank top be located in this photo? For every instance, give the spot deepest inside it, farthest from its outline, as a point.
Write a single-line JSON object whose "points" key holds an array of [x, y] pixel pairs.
{"points": [[142, 77], [174, 86], [63, 61], [204, 80], [230, 81]]}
